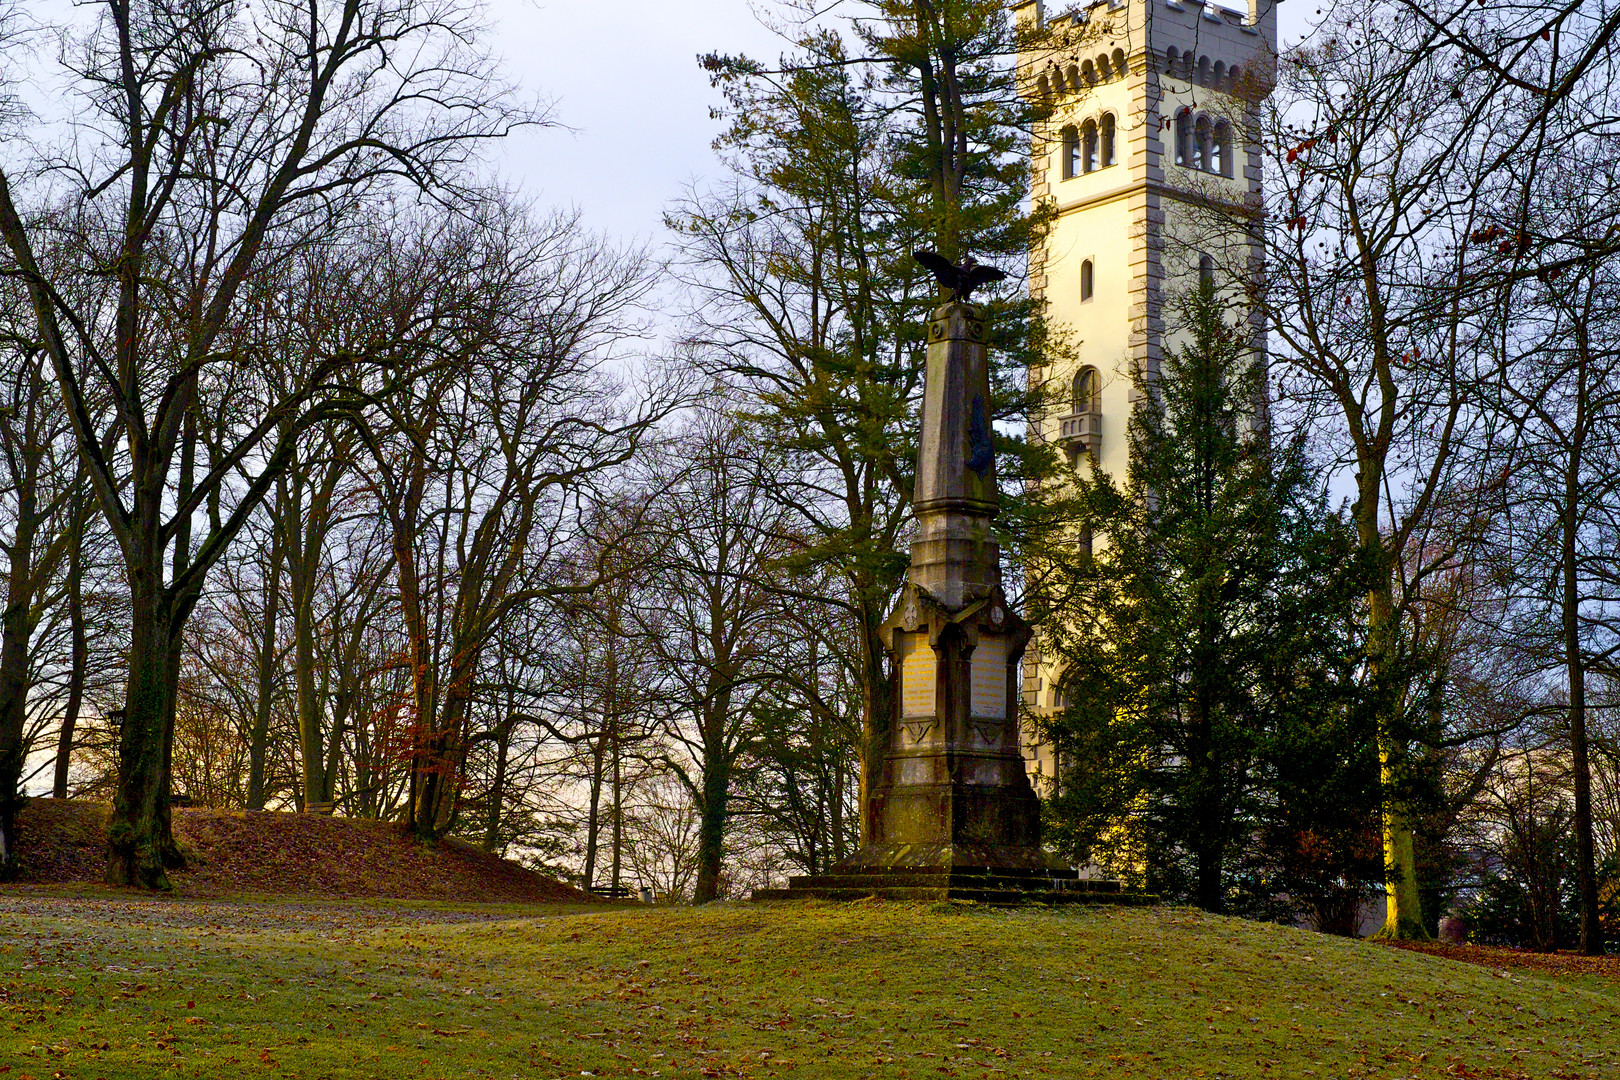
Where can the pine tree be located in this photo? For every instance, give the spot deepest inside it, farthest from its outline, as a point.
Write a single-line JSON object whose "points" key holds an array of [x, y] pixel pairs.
{"points": [[1213, 739]]}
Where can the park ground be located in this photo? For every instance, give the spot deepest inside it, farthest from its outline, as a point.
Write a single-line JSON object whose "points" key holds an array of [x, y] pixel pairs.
{"points": [[102, 983]]}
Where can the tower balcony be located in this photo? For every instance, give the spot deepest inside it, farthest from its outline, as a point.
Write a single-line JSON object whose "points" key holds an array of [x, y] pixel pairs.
{"points": [[1081, 431]]}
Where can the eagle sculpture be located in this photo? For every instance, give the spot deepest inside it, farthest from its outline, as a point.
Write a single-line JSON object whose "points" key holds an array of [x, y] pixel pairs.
{"points": [[960, 280]]}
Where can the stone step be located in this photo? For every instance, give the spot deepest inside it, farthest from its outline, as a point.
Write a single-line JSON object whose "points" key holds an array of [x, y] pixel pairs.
{"points": [[950, 879], [994, 897]]}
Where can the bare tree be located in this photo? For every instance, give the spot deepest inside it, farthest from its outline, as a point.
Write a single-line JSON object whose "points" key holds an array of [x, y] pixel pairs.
{"points": [[485, 466], [715, 622], [1393, 147], [213, 140], [1559, 451]]}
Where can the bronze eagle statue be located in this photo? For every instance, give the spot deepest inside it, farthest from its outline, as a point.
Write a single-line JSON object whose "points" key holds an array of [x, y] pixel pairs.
{"points": [[960, 280]]}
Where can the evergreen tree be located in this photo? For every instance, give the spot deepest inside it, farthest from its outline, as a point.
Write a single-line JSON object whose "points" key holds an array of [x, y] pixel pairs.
{"points": [[1213, 741]]}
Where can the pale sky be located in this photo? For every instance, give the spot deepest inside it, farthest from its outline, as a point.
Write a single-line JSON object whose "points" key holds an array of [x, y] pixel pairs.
{"points": [[625, 77]]}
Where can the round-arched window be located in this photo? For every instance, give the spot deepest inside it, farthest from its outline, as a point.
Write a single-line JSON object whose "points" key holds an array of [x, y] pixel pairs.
{"points": [[1087, 391]]}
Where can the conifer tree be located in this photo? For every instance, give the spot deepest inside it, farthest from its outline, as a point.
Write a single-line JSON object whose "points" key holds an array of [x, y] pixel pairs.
{"points": [[1206, 647]]}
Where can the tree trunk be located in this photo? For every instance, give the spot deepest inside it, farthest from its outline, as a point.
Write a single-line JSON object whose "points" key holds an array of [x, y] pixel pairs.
{"points": [[712, 825], [14, 692], [1209, 829], [140, 838], [877, 719], [437, 765], [1403, 909], [497, 787], [303, 553], [618, 808], [80, 658], [16, 626], [593, 820], [1575, 673], [259, 740]]}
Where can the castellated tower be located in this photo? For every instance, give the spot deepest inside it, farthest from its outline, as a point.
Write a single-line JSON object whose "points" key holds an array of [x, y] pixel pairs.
{"points": [[1151, 158]]}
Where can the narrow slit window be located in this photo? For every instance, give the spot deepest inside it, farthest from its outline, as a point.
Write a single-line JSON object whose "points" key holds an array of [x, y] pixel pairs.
{"points": [[1201, 135], [1184, 138], [1110, 155], [1086, 282], [1223, 149], [1206, 272], [1088, 136]]}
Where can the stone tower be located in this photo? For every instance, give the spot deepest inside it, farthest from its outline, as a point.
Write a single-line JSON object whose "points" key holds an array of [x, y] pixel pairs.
{"points": [[1151, 158]]}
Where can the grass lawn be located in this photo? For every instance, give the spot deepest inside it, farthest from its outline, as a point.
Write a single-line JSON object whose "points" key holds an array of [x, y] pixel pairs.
{"points": [[102, 984]]}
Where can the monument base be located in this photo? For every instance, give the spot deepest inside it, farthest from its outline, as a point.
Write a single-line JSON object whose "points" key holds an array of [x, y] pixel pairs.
{"points": [[1001, 888], [1001, 876]]}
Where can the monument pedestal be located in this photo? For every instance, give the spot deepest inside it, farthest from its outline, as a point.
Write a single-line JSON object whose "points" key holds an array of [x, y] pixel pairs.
{"points": [[953, 815]]}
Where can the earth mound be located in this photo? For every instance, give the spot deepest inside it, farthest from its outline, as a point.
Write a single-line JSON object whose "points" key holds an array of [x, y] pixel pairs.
{"points": [[232, 851]]}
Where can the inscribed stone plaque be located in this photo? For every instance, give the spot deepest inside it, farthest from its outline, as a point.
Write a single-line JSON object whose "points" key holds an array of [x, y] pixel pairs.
{"points": [[989, 685], [916, 675]]}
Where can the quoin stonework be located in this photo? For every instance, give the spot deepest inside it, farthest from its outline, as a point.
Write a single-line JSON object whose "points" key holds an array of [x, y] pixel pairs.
{"points": [[1151, 158]]}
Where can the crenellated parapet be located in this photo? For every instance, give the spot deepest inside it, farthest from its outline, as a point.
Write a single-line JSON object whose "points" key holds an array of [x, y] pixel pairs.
{"points": [[1148, 153]]}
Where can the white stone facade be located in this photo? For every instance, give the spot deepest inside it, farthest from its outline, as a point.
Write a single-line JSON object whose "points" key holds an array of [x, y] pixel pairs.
{"points": [[1177, 85]]}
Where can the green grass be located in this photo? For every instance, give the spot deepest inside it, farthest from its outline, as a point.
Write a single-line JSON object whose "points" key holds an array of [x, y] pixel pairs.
{"points": [[103, 985]]}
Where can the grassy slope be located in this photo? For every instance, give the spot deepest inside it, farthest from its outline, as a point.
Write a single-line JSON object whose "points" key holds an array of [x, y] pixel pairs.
{"points": [[127, 988]]}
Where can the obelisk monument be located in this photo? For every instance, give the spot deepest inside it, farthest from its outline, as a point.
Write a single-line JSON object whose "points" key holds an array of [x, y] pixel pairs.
{"points": [[954, 791], [953, 812]]}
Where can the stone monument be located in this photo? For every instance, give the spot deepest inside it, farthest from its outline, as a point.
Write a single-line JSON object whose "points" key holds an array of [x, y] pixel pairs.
{"points": [[953, 814]]}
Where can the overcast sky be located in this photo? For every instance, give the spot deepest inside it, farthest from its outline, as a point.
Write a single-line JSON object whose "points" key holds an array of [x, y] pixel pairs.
{"points": [[625, 78]]}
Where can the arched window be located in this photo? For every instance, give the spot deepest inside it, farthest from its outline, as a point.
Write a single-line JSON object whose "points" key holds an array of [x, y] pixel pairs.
{"points": [[1203, 69], [1222, 150], [1104, 71], [1088, 73], [1219, 73], [1071, 152], [1119, 64], [1206, 272], [1110, 155], [1184, 138], [1043, 87], [1088, 140], [1074, 77], [1087, 391], [1172, 60], [1087, 280], [1202, 144]]}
